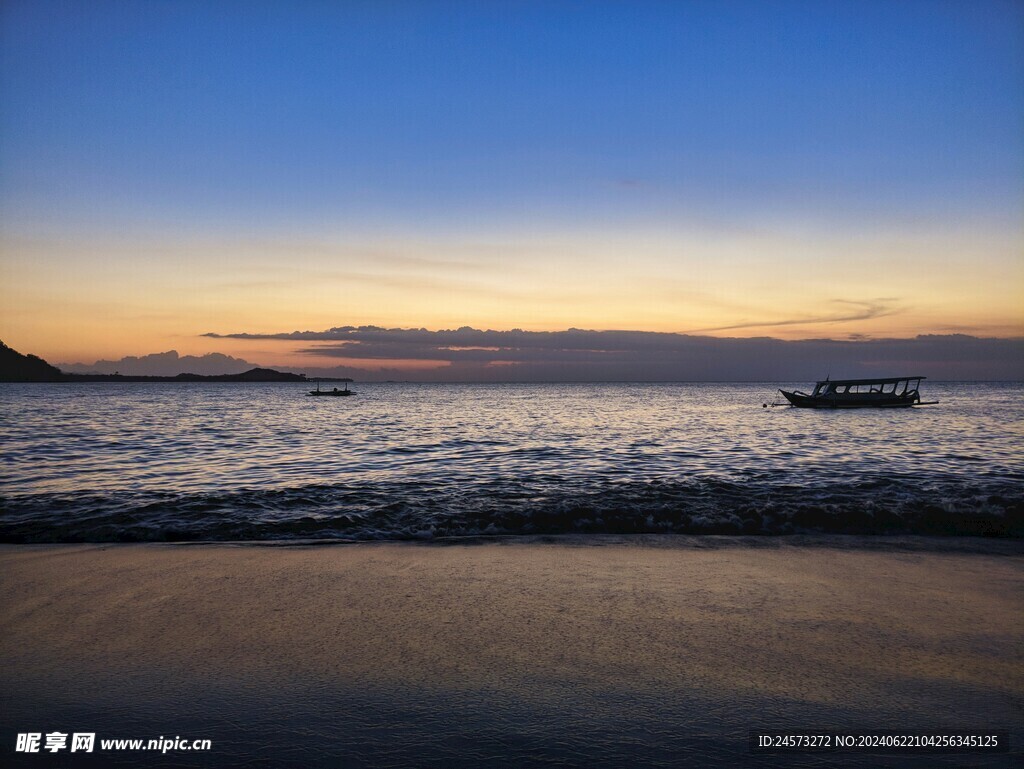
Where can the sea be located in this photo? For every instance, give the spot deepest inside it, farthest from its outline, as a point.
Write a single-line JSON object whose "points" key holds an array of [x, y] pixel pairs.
{"points": [[123, 462]]}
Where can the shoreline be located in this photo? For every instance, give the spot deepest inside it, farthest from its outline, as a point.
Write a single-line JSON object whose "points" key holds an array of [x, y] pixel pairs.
{"points": [[1008, 546], [911, 543]]}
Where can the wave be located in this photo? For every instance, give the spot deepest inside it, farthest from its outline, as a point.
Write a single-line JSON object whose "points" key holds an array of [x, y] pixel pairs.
{"points": [[550, 505]]}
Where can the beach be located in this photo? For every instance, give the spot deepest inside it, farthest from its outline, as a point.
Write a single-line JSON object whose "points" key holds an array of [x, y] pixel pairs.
{"points": [[586, 651]]}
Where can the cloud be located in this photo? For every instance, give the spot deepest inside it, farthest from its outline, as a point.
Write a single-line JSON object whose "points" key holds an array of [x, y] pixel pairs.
{"points": [[855, 310], [469, 354], [163, 364]]}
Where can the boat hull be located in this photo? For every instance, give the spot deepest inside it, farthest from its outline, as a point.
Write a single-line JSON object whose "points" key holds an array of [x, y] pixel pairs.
{"points": [[851, 400]]}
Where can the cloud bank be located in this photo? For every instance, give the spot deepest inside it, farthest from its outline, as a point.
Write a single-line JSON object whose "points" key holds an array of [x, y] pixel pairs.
{"points": [[163, 364], [468, 354]]}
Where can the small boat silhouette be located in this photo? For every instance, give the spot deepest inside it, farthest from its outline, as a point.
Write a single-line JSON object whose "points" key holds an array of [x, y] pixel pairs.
{"points": [[335, 391]]}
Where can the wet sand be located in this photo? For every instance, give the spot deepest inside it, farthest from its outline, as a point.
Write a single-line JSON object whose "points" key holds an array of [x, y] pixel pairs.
{"points": [[517, 652]]}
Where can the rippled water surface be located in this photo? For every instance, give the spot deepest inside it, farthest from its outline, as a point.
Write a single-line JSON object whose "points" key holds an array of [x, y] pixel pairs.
{"points": [[109, 461]]}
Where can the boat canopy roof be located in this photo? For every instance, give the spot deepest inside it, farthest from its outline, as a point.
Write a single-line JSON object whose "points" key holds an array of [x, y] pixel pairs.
{"points": [[879, 381]]}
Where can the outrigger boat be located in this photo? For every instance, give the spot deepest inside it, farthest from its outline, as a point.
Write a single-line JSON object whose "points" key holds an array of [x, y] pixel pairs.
{"points": [[335, 391], [860, 393]]}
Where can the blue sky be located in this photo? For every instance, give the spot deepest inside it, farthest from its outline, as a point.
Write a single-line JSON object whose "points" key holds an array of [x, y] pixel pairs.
{"points": [[223, 114], [175, 135]]}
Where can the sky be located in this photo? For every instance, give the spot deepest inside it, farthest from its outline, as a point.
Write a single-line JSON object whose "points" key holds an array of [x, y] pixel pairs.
{"points": [[213, 177]]}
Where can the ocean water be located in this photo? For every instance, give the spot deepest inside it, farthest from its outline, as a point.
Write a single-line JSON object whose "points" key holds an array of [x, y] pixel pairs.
{"points": [[170, 461]]}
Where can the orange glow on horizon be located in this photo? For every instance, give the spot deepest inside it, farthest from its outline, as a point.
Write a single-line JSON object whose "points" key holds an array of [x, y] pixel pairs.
{"points": [[71, 300]]}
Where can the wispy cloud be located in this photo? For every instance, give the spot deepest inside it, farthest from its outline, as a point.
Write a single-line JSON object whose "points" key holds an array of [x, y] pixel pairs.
{"points": [[851, 311]]}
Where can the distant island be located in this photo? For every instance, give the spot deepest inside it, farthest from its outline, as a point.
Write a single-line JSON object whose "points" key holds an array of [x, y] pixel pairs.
{"points": [[16, 367]]}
